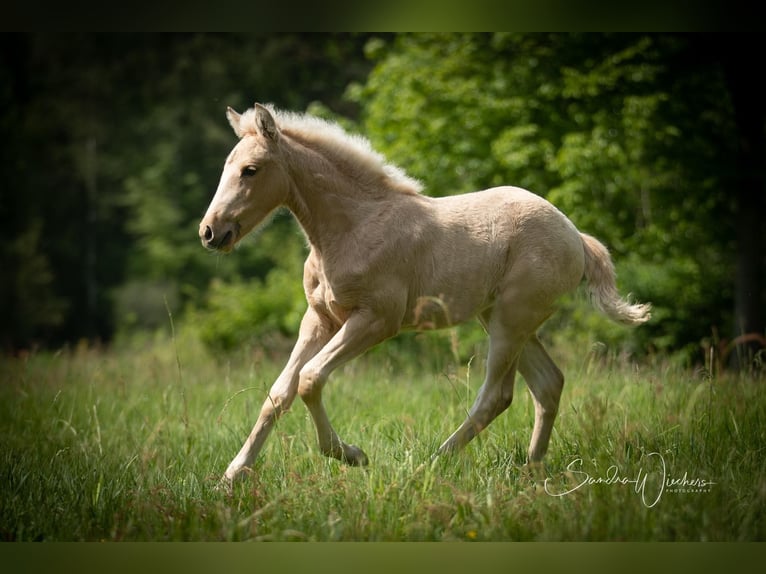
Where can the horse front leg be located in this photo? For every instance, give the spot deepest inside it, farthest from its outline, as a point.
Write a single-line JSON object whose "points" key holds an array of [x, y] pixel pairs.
{"points": [[362, 330], [315, 331]]}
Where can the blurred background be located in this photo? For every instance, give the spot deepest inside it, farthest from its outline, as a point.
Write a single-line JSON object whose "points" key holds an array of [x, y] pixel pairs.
{"points": [[112, 146]]}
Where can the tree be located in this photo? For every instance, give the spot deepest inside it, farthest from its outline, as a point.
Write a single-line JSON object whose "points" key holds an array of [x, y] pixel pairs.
{"points": [[748, 188], [55, 184], [112, 147], [633, 136]]}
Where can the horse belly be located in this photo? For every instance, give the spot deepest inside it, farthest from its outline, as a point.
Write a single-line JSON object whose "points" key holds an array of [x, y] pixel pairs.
{"points": [[455, 284]]}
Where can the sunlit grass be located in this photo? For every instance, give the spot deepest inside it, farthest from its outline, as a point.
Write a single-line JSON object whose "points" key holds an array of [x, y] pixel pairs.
{"points": [[124, 445]]}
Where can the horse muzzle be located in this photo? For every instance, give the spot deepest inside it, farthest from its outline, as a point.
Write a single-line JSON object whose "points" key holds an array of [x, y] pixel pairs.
{"points": [[218, 237]]}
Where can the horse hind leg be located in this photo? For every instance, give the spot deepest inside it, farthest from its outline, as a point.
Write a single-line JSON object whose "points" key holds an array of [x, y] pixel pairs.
{"points": [[511, 324], [494, 397], [545, 382], [496, 394]]}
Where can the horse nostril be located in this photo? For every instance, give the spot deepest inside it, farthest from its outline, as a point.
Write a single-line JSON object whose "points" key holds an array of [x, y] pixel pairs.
{"points": [[222, 240]]}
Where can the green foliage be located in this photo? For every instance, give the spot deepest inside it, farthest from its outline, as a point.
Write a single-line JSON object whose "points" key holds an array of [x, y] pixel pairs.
{"points": [[634, 148], [237, 310], [631, 135], [143, 305], [119, 142], [438, 118], [245, 311], [27, 302]]}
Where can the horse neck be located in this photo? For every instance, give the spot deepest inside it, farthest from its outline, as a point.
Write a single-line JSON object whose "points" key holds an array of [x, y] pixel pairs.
{"points": [[327, 201]]}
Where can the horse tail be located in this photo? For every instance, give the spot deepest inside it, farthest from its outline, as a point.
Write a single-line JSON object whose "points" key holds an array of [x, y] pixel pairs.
{"points": [[601, 283]]}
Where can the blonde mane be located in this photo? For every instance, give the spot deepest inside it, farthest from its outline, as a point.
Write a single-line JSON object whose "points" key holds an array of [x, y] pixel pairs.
{"points": [[335, 143]]}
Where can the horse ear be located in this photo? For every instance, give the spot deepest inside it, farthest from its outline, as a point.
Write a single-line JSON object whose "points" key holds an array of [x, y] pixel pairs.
{"points": [[265, 122], [234, 119]]}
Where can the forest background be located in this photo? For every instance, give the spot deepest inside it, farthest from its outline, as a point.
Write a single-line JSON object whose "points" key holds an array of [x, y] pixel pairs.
{"points": [[112, 146]]}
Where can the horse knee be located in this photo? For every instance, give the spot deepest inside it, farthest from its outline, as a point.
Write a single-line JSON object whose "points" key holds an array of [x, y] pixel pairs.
{"points": [[310, 383], [281, 402]]}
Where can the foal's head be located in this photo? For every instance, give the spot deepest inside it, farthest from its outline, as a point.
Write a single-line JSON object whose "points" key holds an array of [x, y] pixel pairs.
{"points": [[253, 182]]}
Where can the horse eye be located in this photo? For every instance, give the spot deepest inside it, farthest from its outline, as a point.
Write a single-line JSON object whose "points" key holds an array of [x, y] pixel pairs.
{"points": [[248, 171]]}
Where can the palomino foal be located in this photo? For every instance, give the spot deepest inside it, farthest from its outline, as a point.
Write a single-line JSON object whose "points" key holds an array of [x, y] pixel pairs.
{"points": [[385, 258]]}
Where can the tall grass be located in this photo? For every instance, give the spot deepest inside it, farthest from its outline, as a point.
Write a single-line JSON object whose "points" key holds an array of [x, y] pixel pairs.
{"points": [[129, 445]]}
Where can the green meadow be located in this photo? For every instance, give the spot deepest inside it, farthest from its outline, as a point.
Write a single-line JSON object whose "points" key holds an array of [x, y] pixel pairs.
{"points": [[128, 444]]}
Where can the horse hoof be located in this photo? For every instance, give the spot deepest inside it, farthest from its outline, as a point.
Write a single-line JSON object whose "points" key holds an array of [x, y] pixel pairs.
{"points": [[354, 456]]}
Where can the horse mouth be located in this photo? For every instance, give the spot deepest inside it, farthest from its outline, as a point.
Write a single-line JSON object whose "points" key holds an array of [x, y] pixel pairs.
{"points": [[227, 242]]}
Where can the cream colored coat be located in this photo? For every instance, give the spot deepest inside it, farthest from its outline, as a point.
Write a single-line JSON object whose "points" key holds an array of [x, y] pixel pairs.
{"points": [[385, 258]]}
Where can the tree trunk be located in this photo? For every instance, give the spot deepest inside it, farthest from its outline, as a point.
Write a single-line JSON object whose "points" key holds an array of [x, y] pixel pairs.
{"points": [[748, 97]]}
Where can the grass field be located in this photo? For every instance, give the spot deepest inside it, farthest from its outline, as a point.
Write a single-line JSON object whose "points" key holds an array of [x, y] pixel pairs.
{"points": [[129, 445]]}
